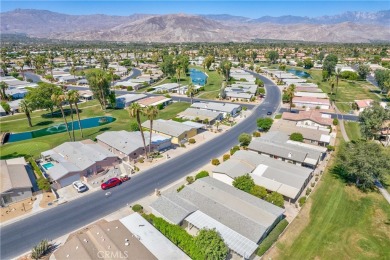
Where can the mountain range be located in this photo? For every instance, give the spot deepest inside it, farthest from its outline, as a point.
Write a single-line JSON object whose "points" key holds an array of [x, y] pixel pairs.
{"points": [[347, 27]]}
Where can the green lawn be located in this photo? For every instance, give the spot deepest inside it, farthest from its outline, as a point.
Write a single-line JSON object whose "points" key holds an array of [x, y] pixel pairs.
{"points": [[338, 222], [353, 130], [347, 92], [35, 146], [213, 85]]}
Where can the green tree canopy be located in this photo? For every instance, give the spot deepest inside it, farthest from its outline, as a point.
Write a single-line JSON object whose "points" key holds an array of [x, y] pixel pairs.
{"points": [[259, 192], [363, 162], [168, 66], [244, 183], [276, 199], [330, 63], [211, 244], [245, 139], [363, 71], [265, 123], [371, 120], [99, 84], [40, 97], [272, 56], [308, 63], [296, 137], [383, 79]]}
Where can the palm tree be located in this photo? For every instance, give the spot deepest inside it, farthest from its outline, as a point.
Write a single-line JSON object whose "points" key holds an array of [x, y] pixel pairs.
{"points": [[332, 81], [58, 99], [337, 73], [3, 87], [217, 124], [26, 108], [151, 113], [191, 91], [290, 92], [134, 111], [67, 97], [73, 97], [20, 65]]}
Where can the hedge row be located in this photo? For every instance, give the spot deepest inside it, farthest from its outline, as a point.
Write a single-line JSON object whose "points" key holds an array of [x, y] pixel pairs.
{"points": [[35, 167], [272, 237], [177, 235]]}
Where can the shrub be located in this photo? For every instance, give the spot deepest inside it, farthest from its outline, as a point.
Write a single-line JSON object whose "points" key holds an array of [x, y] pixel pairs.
{"points": [[245, 139], [264, 123], [37, 170], [192, 141], [259, 191], [272, 237], [180, 188], [296, 137], [137, 208], [141, 160], [215, 161], [335, 121], [318, 107], [41, 249], [226, 157], [167, 96], [244, 108], [211, 244], [244, 183], [130, 88], [160, 106], [134, 127], [256, 134], [308, 190], [201, 174], [316, 179], [276, 199], [330, 147], [302, 201], [234, 149], [178, 236], [312, 184], [190, 179], [43, 184]]}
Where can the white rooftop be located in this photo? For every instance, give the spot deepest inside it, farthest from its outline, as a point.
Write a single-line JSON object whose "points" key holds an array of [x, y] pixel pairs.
{"points": [[152, 239]]}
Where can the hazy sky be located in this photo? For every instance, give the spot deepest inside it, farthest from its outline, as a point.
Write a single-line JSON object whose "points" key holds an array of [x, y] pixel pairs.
{"points": [[252, 9]]}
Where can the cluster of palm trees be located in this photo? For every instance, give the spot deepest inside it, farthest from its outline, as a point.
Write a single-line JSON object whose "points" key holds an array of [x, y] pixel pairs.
{"points": [[151, 113], [290, 93], [71, 97]]}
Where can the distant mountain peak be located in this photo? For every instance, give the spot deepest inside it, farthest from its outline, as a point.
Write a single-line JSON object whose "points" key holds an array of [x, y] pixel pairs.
{"points": [[182, 27]]}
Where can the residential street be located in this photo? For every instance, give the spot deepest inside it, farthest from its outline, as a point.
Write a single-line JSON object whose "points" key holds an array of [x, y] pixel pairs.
{"points": [[19, 237]]}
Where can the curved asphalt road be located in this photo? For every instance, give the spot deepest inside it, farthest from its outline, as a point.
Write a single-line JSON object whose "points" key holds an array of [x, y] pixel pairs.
{"points": [[19, 237]]}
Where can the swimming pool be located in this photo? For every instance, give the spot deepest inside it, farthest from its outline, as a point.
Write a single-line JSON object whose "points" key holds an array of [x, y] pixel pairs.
{"points": [[47, 166], [299, 73], [55, 129], [198, 77]]}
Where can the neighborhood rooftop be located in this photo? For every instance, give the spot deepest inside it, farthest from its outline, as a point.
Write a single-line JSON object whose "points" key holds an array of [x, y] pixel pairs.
{"points": [[247, 215], [168, 127], [287, 179]]}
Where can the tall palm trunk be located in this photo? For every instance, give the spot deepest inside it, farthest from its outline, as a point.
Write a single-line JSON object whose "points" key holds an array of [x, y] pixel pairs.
{"points": [[150, 134], [142, 133], [71, 116], [78, 118], [66, 122], [29, 118]]}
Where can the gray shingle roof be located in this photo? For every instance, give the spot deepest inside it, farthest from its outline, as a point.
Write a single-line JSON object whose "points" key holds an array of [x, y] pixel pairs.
{"points": [[192, 113], [240, 211], [275, 175], [222, 107], [277, 143], [168, 127]]}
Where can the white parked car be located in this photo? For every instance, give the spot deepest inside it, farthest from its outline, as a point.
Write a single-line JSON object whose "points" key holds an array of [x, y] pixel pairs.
{"points": [[79, 186]]}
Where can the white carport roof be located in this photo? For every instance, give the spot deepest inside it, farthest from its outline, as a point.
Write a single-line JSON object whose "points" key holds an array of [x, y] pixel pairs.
{"points": [[235, 241]]}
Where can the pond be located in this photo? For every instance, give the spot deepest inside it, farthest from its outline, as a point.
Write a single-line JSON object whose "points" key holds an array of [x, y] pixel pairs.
{"points": [[60, 128], [198, 77], [299, 73]]}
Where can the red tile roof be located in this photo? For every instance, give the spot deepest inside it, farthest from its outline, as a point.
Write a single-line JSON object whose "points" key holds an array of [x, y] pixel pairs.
{"points": [[312, 115]]}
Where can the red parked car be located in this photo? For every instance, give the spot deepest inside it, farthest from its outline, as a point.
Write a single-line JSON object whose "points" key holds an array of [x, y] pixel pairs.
{"points": [[110, 183]]}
